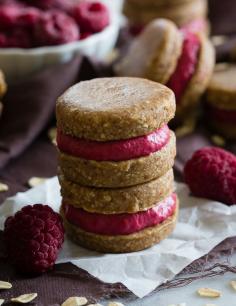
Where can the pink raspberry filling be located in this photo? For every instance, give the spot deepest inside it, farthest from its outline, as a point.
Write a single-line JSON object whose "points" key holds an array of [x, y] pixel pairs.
{"points": [[186, 65], [118, 150], [221, 115], [120, 224]]}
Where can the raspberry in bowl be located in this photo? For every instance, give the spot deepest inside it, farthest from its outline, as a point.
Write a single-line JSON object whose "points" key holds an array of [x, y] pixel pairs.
{"points": [[36, 34]]}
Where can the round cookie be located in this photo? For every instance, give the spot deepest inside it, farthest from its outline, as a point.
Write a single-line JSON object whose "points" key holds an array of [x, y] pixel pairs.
{"points": [[109, 174], [122, 243], [221, 91], [115, 201], [194, 58], [181, 13], [114, 108], [154, 53], [221, 100]]}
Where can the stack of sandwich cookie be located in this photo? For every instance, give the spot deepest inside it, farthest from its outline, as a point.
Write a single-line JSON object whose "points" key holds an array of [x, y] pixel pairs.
{"points": [[180, 59], [181, 12], [116, 155], [3, 88], [221, 100]]}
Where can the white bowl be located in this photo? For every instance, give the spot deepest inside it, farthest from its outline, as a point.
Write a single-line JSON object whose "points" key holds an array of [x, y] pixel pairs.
{"points": [[18, 62]]}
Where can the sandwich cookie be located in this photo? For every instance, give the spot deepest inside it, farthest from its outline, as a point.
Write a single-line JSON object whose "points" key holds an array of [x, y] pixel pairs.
{"points": [[181, 59], [121, 232], [112, 132], [221, 100]]}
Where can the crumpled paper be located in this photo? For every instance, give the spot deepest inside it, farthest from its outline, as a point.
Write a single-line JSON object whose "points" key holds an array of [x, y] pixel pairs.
{"points": [[202, 225]]}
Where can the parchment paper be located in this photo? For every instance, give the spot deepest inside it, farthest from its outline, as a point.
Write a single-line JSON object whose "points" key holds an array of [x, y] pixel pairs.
{"points": [[202, 225]]}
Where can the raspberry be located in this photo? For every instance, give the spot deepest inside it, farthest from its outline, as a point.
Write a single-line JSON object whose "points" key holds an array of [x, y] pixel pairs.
{"points": [[55, 28], [33, 238], [16, 38], [50, 4], [8, 16], [85, 35], [211, 173], [28, 17], [91, 16]]}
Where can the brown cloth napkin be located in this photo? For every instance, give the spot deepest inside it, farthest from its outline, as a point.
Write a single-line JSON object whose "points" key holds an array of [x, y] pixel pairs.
{"points": [[29, 105]]}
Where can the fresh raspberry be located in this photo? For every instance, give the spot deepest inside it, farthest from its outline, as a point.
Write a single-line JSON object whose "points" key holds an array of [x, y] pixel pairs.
{"points": [[85, 35], [55, 28], [16, 38], [3, 40], [28, 17], [14, 3], [91, 16], [211, 173], [33, 238], [50, 4], [8, 16]]}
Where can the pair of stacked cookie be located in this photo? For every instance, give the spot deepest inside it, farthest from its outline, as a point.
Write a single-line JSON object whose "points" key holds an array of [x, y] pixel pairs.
{"points": [[2, 89], [116, 155], [181, 12], [221, 100], [180, 59]]}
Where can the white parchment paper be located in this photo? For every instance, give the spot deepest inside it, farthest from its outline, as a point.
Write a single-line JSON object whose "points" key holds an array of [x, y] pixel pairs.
{"points": [[202, 225]]}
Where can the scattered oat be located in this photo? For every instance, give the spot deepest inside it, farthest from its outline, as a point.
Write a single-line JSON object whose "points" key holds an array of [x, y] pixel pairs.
{"points": [[35, 181], [218, 40], [25, 298], [3, 187], [115, 304], [5, 285], [218, 140], [75, 301], [52, 135], [1, 301], [208, 292], [112, 56], [187, 128], [233, 284]]}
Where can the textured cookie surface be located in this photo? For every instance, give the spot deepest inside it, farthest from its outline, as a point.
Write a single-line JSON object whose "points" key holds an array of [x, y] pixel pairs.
{"points": [[119, 200], [119, 174], [122, 243], [114, 108], [221, 91], [154, 53]]}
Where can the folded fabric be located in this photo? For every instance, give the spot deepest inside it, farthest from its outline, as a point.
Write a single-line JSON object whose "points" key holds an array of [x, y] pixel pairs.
{"points": [[29, 106]]}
